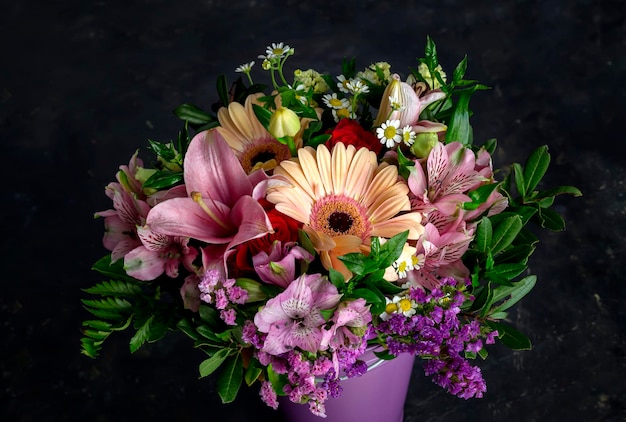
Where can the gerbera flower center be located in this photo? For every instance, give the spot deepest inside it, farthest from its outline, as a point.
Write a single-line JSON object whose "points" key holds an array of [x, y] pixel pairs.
{"points": [[338, 215], [261, 152]]}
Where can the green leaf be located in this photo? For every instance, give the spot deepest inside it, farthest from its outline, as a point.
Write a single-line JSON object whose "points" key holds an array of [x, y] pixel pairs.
{"points": [[510, 337], [230, 378], [516, 254], [559, 190], [535, 167], [185, 326], [459, 129], [192, 114], [550, 219], [518, 173], [222, 90], [210, 365], [278, 381], [516, 292], [392, 249], [264, 115], [384, 354], [459, 70], [484, 232], [355, 262], [430, 51], [163, 179], [505, 233], [113, 270], [114, 288], [479, 196], [337, 279], [141, 336], [252, 373], [508, 271]]}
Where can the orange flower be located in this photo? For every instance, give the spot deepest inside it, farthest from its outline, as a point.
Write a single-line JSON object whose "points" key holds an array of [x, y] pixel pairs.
{"points": [[343, 198]]}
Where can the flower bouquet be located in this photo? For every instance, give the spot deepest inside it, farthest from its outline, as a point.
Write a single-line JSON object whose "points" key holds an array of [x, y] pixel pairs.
{"points": [[306, 221]]}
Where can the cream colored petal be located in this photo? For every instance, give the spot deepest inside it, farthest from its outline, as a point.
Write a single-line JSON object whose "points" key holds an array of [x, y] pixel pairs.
{"points": [[293, 171], [389, 228], [324, 166], [360, 173], [308, 162], [232, 139], [258, 131], [339, 163], [241, 120], [389, 208], [385, 177]]}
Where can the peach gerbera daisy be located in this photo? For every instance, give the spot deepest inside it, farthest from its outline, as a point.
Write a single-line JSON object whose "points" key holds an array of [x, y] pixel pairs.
{"points": [[343, 198], [253, 145]]}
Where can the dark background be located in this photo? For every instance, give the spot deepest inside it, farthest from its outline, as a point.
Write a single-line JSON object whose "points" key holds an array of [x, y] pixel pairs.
{"points": [[84, 84]]}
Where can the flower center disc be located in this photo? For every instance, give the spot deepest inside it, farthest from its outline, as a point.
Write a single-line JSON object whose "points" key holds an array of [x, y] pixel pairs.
{"points": [[262, 152], [338, 215]]}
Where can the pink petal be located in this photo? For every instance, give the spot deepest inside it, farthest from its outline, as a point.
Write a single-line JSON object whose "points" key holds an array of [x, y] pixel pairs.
{"points": [[184, 217], [143, 264], [212, 169]]}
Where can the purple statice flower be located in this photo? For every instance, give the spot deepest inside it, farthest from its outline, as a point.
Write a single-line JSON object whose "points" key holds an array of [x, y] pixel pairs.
{"points": [[457, 376], [268, 395], [356, 370], [331, 384], [250, 335]]}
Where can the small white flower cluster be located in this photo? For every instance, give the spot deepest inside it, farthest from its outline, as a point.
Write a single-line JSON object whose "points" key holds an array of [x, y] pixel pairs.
{"points": [[399, 305]]}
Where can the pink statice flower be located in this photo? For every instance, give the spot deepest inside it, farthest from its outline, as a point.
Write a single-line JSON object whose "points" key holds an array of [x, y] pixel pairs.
{"points": [[294, 318], [279, 266], [222, 293]]}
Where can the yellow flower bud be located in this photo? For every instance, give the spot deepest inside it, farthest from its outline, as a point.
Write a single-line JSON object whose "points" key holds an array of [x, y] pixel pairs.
{"points": [[284, 122]]}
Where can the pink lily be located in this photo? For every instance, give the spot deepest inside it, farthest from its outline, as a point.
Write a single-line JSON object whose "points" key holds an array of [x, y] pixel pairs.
{"points": [[220, 208]]}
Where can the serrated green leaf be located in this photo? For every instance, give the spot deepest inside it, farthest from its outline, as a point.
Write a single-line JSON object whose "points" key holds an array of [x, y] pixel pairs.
{"points": [[141, 336], [115, 288], [505, 233], [536, 167], [510, 337], [230, 378], [210, 365]]}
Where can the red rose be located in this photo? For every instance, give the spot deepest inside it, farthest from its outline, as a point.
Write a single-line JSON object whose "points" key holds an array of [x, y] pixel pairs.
{"points": [[350, 132], [285, 230]]}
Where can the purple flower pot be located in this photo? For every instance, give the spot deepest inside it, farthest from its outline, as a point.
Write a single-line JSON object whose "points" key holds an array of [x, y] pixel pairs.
{"points": [[377, 395]]}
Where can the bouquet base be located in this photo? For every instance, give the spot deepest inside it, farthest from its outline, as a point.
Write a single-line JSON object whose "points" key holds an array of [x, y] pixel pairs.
{"points": [[377, 395]]}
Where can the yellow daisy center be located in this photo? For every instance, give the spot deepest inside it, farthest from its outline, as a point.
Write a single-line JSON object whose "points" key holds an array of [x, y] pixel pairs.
{"points": [[391, 308], [335, 102], [405, 305], [390, 132], [338, 215]]}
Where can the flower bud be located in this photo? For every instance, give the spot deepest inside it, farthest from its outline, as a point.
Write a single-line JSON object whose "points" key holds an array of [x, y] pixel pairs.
{"points": [[424, 142], [253, 287], [284, 122], [403, 94]]}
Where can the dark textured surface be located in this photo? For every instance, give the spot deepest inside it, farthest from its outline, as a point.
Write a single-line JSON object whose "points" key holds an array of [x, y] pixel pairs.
{"points": [[84, 84]]}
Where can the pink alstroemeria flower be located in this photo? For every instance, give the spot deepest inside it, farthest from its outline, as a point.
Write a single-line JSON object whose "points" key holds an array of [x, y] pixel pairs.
{"points": [[350, 318], [158, 253], [294, 318], [220, 208]]}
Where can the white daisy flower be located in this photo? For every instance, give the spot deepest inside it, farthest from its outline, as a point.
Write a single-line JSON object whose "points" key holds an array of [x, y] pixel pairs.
{"points": [[399, 305], [277, 51], [342, 84], [389, 133], [356, 87], [343, 113], [245, 68], [333, 102], [408, 135], [395, 104]]}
